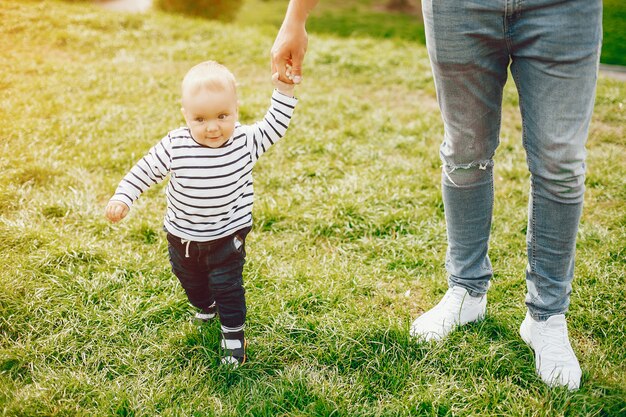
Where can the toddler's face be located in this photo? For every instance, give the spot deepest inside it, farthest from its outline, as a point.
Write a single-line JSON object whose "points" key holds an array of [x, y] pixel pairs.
{"points": [[211, 116]]}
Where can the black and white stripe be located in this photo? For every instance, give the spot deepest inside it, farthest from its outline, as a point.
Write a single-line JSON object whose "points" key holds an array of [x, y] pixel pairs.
{"points": [[210, 191]]}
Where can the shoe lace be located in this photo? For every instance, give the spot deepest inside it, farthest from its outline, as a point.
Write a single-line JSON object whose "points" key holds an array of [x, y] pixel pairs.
{"points": [[453, 301], [555, 343]]}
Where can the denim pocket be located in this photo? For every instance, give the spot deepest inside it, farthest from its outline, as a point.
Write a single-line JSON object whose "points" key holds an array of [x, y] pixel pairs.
{"points": [[238, 243], [239, 240], [176, 250]]}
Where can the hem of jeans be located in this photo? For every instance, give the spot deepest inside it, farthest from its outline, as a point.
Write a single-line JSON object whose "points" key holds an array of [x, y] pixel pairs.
{"points": [[230, 327], [545, 316], [471, 292]]}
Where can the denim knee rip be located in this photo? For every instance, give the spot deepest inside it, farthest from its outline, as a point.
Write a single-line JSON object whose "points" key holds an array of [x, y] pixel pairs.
{"points": [[474, 167]]}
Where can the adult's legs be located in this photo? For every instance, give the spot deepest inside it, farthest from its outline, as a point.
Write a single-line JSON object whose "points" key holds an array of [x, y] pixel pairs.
{"points": [[469, 58], [555, 49]]}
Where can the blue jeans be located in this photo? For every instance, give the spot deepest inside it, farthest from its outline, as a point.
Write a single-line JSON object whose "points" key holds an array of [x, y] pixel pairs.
{"points": [[213, 272], [553, 48]]}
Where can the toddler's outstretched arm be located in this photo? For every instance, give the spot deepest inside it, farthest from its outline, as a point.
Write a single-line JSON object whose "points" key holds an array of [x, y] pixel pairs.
{"points": [[150, 170]]}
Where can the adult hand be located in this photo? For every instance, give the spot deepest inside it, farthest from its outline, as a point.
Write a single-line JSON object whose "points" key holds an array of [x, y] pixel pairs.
{"points": [[116, 211], [289, 49], [291, 42]]}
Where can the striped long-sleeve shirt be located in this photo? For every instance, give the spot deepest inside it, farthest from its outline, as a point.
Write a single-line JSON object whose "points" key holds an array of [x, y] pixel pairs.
{"points": [[210, 192]]}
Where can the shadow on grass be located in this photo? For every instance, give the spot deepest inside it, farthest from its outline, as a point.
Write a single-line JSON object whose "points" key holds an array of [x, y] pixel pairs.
{"points": [[366, 363]]}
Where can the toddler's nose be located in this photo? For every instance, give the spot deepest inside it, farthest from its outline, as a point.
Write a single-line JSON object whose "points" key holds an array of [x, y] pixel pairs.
{"points": [[211, 126]]}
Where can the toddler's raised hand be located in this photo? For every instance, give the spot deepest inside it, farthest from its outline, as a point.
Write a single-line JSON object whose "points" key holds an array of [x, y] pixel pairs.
{"points": [[116, 211], [286, 89]]}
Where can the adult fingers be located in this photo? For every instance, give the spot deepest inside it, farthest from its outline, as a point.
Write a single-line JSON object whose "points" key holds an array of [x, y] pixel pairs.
{"points": [[296, 66], [279, 66]]}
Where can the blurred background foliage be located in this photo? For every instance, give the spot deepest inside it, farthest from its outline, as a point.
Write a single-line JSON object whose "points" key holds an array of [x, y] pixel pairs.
{"points": [[225, 10], [391, 19], [614, 25]]}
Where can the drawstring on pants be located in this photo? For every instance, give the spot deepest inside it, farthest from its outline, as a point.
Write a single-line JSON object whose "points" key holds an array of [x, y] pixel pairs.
{"points": [[186, 243]]}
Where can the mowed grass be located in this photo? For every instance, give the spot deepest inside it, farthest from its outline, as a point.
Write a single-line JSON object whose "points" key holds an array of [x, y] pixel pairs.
{"points": [[614, 24], [347, 248]]}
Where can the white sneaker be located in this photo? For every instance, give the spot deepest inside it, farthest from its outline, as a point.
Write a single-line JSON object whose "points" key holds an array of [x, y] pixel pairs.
{"points": [[456, 308], [206, 314], [555, 360], [204, 317]]}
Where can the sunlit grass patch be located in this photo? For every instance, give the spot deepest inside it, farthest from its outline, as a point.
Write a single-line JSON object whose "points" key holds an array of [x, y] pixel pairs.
{"points": [[347, 248]]}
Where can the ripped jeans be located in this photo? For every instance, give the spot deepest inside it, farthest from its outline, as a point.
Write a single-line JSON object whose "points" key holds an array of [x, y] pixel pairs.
{"points": [[552, 47]]}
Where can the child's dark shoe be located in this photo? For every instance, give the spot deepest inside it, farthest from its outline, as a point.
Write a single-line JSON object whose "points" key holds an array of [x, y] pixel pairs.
{"points": [[233, 348]]}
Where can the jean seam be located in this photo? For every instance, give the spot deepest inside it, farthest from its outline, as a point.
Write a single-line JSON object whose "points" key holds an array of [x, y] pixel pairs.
{"points": [[532, 252], [518, 8], [546, 316], [533, 266], [506, 26]]}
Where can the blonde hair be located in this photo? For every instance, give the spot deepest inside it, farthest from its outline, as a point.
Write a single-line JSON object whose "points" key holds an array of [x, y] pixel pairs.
{"points": [[208, 75]]}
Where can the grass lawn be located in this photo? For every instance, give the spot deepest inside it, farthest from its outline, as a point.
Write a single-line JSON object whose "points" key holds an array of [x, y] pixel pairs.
{"points": [[614, 25], [347, 247]]}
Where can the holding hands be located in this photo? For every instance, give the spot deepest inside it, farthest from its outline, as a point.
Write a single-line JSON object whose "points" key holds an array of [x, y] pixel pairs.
{"points": [[291, 42], [282, 87]]}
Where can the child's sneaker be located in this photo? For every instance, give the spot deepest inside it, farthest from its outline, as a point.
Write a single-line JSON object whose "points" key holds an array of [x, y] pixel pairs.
{"points": [[234, 348], [206, 314]]}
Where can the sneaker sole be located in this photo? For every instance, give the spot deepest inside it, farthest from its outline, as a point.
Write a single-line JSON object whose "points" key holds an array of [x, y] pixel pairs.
{"points": [[205, 319], [525, 334]]}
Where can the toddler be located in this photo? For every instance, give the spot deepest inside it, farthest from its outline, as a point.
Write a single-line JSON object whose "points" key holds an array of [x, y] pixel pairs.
{"points": [[210, 193]]}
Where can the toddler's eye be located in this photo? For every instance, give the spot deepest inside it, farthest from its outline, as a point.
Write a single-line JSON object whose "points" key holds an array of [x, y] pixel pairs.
{"points": [[199, 119], [223, 116]]}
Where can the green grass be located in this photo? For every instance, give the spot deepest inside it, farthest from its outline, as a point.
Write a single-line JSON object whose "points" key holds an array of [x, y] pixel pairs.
{"points": [[349, 18], [366, 18], [347, 248], [614, 25]]}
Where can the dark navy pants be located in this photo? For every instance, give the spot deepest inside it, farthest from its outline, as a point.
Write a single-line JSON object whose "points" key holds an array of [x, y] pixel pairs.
{"points": [[213, 272]]}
